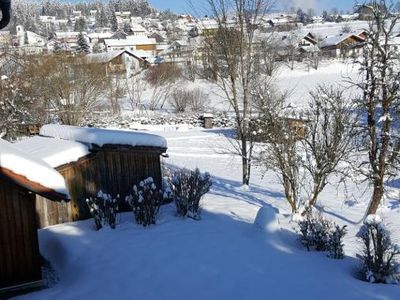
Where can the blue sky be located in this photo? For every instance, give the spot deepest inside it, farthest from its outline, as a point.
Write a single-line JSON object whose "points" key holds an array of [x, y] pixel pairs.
{"points": [[182, 6]]}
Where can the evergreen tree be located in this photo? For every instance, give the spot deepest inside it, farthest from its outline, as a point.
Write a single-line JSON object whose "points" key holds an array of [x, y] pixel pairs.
{"points": [[57, 47], [83, 46], [127, 27], [26, 40], [101, 18], [80, 25], [113, 21]]}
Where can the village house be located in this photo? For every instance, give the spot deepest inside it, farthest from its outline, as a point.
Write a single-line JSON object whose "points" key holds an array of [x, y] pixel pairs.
{"points": [[28, 42], [137, 29], [343, 45], [91, 160], [118, 62], [70, 39], [138, 44], [366, 11], [181, 52], [279, 23]]}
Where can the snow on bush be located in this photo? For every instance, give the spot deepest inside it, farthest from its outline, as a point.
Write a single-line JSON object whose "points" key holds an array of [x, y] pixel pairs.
{"points": [[321, 234], [314, 232], [379, 253], [266, 218], [145, 201], [103, 209], [335, 242], [188, 187]]}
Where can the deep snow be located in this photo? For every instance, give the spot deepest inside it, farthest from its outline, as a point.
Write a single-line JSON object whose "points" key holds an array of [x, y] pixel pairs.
{"points": [[223, 256], [34, 169]]}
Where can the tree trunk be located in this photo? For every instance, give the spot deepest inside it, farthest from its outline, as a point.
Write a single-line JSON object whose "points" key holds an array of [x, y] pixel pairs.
{"points": [[245, 162], [376, 198]]}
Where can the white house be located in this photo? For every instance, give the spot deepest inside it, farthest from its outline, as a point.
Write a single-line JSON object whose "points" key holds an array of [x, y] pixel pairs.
{"points": [[26, 37], [133, 43], [138, 29]]}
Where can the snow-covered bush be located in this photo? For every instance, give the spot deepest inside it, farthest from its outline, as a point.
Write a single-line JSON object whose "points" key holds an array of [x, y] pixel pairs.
{"points": [[145, 201], [188, 187], [104, 209], [167, 191], [315, 232], [335, 242], [379, 254]]}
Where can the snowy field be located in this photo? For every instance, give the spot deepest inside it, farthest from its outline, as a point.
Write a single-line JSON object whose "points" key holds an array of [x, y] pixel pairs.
{"points": [[297, 83], [223, 256]]}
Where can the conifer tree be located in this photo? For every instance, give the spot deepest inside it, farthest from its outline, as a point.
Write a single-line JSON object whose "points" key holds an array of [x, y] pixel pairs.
{"points": [[83, 46]]}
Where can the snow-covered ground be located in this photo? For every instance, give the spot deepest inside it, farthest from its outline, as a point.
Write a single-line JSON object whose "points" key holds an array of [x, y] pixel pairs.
{"points": [[301, 81], [298, 83], [223, 256]]}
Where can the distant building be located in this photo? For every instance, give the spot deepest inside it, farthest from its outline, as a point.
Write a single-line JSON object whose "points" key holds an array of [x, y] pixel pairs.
{"points": [[142, 44], [118, 62], [345, 45], [366, 11]]}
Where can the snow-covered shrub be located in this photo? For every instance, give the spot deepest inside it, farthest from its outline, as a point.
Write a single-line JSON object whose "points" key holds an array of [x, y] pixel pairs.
{"points": [[145, 201], [188, 187], [379, 253], [335, 242], [180, 99], [104, 209], [167, 191], [315, 232]]}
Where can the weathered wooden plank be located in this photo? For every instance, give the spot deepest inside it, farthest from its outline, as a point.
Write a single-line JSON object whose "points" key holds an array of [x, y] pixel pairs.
{"points": [[19, 249], [111, 169]]}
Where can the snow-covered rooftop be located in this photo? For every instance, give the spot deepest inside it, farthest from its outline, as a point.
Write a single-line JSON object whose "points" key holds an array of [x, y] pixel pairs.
{"points": [[35, 170], [55, 152], [101, 137], [141, 40], [105, 57], [337, 39]]}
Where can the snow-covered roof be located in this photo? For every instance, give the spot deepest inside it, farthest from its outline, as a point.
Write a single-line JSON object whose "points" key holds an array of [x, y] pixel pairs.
{"points": [[101, 137], [100, 35], [137, 28], [55, 152], [105, 57], [118, 42], [63, 34], [141, 40], [32, 173], [337, 39]]}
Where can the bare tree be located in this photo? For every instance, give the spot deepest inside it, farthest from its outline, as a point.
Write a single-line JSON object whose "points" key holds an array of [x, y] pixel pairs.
{"points": [[18, 105], [183, 99], [291, 43], [180, 99], [70, 87], [313, 57], [306, 152], [267, 52], [162, 79], [231, 51], [281, 150], [135, 86], [116, 89], [380, 101]]}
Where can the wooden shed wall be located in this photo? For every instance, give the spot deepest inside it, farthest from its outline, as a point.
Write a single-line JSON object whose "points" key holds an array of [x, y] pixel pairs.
{"points": [[19, 247], [113, 171]]}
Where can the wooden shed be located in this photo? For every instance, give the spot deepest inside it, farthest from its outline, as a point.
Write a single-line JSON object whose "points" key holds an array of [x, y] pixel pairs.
{"points": [[91, 160], [21, 178]]}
